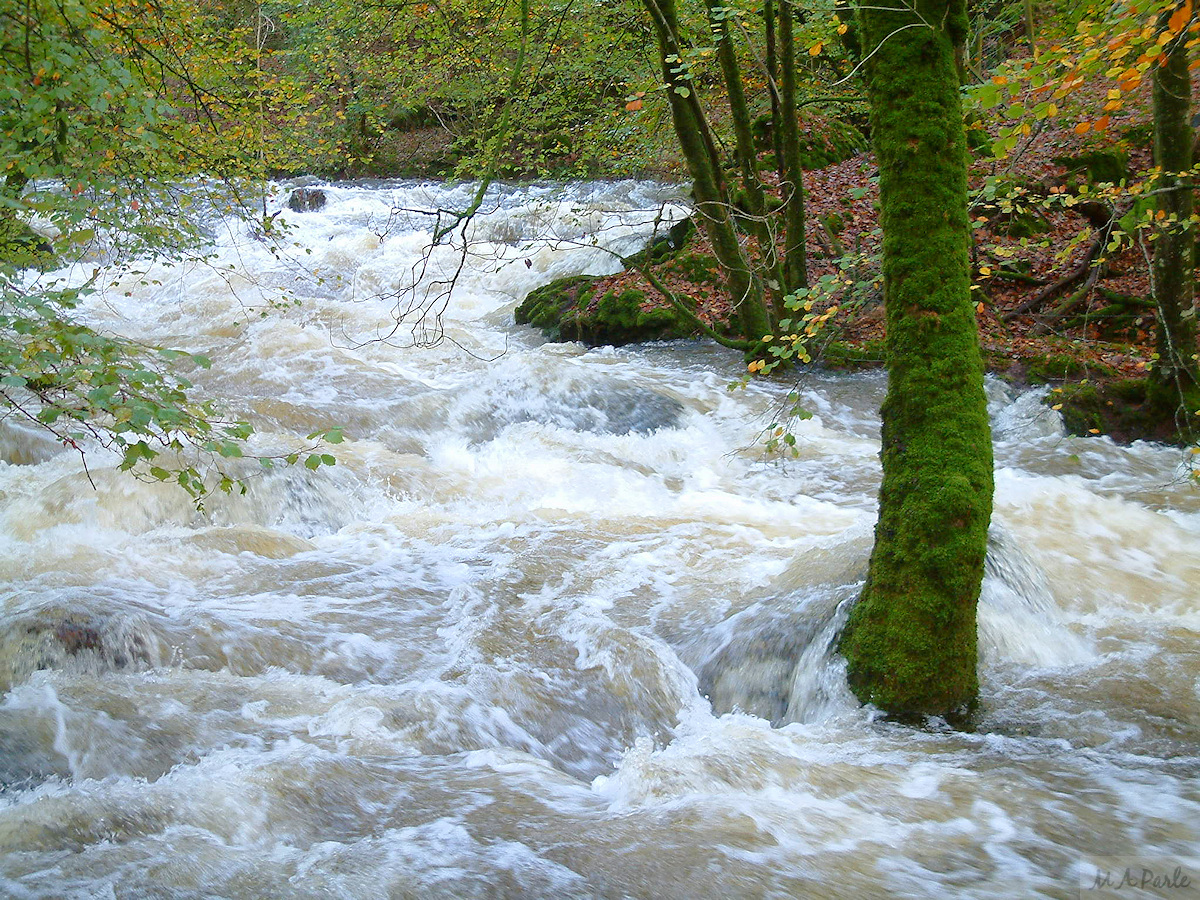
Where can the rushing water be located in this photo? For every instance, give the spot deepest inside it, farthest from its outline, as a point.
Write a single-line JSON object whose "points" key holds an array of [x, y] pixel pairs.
{"points": [[553, 627]]}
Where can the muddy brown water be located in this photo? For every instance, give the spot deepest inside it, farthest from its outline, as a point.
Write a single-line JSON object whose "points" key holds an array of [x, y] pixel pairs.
{"points": [[553, 626]]}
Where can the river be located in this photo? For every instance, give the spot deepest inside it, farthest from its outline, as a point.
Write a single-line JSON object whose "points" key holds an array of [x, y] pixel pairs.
{"points": [[554, 626]]}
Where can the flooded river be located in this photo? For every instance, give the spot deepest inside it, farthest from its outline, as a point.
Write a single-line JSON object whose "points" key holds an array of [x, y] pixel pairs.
{"points": [[554, 626]]}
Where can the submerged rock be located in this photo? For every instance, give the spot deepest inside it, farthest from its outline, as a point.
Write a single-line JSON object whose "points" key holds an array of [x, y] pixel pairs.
{"points": [[306, 199], [58, 639]]}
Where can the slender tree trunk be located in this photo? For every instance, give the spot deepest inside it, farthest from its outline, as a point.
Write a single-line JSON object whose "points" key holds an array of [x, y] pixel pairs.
{"points": [[739, 111], [911, 639], [795, 262], [1174, 286], [772, 62], [712, 199]]}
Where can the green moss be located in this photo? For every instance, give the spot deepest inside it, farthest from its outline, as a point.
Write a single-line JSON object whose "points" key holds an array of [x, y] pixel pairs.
{"points": [[698, 268], [1129, 410], [840, 355], [677, 236], [549, 306], [1141, 135], [1026, 223], [828, 142], [623, 319], [1062, 366], [979, 141], [1098, 166], [910, 642], [567, 310]]}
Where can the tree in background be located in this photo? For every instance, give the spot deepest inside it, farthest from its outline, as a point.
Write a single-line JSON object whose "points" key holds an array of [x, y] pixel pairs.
{"points": [[1172, 281], [911, 639]]}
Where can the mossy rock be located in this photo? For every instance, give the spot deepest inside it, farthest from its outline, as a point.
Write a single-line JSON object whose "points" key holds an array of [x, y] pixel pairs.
{"points": [[826, 142], [1140, 135], [698, 268], [979, 141], [568, 310], [550, 305], [623, 318], [841, 355], [1129, 410], [1098, 166], [1026, 223], [674, 240], [1061, 367]]}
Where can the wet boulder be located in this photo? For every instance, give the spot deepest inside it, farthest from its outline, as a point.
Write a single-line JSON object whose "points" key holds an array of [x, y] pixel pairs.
{"points": [[61, 639], [306, 199]]}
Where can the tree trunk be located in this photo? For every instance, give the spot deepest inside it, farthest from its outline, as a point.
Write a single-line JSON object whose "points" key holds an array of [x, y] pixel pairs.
{"points": [[739, 113], [1173, 284], [795, 261], [712, 198], [911, 639]]}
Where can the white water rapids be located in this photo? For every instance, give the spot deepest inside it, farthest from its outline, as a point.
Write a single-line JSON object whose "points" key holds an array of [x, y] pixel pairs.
{"points": [[553, 627]]}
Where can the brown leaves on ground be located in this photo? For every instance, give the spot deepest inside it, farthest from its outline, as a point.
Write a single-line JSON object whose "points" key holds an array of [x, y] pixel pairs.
{"points": [[1010, 268]]}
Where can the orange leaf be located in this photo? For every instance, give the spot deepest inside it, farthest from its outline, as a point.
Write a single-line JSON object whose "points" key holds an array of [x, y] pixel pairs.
{"points": [[1083, 127], [815, 49], [633, 105], [1180, 17], [1101, 123]]}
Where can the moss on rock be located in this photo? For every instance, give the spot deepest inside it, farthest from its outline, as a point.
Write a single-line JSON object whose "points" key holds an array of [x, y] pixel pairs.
{"points": [[569, 310], [556, 304], [828, 142], [1129, 409], [1097, 166]]}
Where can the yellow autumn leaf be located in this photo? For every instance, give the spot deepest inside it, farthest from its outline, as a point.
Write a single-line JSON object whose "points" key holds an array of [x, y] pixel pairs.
{"points": [[815, 49]]}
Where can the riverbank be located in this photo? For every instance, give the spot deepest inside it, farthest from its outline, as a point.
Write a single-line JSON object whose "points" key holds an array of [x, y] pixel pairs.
{"points": [[1056, 302]]}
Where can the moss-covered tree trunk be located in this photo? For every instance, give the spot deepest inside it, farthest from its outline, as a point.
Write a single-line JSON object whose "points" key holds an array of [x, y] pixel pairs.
{"points": [[911, 638], [713, 207], [1174, 285], [754, 201], [795, 260]]}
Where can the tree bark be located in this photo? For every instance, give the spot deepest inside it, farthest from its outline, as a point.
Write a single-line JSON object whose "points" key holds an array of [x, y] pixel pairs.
{"points": [[795, 260], [739, 113], [911, 639], [713, 207], [1173, 284]]}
